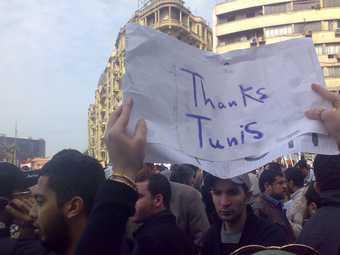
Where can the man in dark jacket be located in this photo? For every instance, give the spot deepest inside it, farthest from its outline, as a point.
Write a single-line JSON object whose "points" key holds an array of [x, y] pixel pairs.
{"points": [[159, 233], [269, 205], [322, 230], [238, 225]]}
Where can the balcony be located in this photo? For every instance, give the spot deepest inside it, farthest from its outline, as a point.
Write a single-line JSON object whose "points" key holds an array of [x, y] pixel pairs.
{"points": [[278, 20]]}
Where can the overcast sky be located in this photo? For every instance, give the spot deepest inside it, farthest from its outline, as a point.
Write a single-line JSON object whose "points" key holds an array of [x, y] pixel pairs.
{"points": [[52, 53]]}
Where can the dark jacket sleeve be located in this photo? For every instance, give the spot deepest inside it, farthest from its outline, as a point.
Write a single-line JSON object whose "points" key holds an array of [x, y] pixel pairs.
{"points": [[107, 222], [274, 236]]}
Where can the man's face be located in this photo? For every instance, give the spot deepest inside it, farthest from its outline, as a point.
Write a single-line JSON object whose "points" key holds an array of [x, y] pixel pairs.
{"points": [[230, 200], [278, 188], [144, 207], [50, 219]]}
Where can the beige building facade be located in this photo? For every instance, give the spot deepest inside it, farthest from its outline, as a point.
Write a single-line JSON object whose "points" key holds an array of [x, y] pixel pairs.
{"points": [[239, 24], [169, 16]]}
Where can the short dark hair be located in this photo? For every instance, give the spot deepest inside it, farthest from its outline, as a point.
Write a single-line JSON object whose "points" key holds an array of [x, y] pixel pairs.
{"points": [[182, 173], [157, 184], [11, 179], [268, 176], [327, 172], [302, 163], [211, 180], [294, 174], [74, 174], [274, 166], [312, 196]]}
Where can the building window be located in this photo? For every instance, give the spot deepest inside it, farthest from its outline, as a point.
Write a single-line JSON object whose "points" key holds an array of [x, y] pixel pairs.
{"points": [[319, 49], [299, 5], [332, 72], [277, 8], [332, 48], [278, 31], [306, 27], [331, 3]]}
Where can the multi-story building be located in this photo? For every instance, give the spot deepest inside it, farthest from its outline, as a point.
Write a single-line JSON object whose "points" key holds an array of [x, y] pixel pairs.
{"points": [[17, 150], [168, 16], [239, 24]]}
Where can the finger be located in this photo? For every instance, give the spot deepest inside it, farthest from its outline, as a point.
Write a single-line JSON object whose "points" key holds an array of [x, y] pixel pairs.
{"points": [[314, 114], [28, 203], [140, 132], [123, 119], [16, 203], [325, 94], [17, 214], [113, 118]]}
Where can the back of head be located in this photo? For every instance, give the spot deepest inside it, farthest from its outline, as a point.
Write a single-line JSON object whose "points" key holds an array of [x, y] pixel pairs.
{"points": [[327, 172], [183, 173], [294, 174], [302, 163], [71, 173], [269, 175], [11, 179], [273, 166], [312, 196]]}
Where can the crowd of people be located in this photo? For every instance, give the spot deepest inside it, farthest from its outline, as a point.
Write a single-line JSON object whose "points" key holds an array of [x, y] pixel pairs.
{"points": [[141, 209]]}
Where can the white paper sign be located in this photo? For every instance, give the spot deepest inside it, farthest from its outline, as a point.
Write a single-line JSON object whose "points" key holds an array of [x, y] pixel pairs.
{"points": [[220, 108]]}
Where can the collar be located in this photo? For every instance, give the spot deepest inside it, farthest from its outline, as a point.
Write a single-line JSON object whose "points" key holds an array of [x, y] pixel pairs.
{"points": [[297, 193], [273, 201]]}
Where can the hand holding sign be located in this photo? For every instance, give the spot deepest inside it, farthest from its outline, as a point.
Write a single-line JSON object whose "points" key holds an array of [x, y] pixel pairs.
{"points": [[126, 151], [330, 117]]}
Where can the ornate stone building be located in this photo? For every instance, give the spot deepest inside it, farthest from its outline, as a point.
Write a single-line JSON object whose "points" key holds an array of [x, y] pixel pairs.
{"points": [[168, 16]]}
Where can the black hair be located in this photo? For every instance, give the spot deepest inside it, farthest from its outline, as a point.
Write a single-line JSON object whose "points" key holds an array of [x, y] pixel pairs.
{"points": [[274, 166], [11, 179], [183, 173], [327, 172], [71, 173], [211, 180], [157, 184], [268, 176], [302, 163], [294, 174], [312, 196]]}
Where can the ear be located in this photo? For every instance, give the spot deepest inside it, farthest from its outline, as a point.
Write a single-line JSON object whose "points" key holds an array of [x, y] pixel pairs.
{"points": [[74, 207], [158, 201], [313, 206], [267, 187], [317, 187]]}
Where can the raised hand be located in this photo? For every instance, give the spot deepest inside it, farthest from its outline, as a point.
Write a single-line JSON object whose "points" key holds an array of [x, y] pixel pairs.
{"points": [[330, 117], [126, 152]]}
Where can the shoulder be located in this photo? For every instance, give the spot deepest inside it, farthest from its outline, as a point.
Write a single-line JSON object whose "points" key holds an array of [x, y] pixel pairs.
{"points": [[267, 233], [29, 247], [212, 234], [184, 190]]}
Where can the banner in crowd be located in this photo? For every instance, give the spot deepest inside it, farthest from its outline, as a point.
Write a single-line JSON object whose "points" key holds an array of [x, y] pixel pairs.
{"points": [[226, 113]]}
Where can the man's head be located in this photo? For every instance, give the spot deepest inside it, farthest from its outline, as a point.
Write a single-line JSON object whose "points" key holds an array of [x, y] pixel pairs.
{"points": [[64, 195], [313, 201], [272, 183], [303, 166], [11, 179], [154, 196], [295, 179], [183, 173], [230, 197], [327, 172]]}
